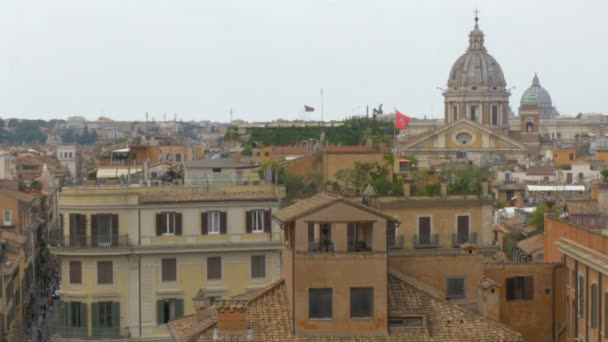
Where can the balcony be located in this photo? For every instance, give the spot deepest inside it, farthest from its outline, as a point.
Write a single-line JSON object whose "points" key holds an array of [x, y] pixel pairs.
{"points": [[428, 241], [459, 239], [88, 241], [324, 246]]}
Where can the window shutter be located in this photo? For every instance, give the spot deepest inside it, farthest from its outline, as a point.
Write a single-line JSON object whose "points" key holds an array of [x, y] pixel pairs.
{"points": [[116, 315], [267, 221], [248, 221], [82, 230], [115, 230], [350, 237], [178, 223], [94, 318], [84, 319], [159, 224], [311, 233], [179, 308], [204, 223], [160, 318], [223, 222], [94, 230], [75, 272]]}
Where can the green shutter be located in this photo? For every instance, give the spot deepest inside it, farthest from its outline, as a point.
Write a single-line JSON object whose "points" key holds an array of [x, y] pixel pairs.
{"points": [[95, 318], [83, 317], [179, 308], [64, 314], [116, 316], [160, 312]]}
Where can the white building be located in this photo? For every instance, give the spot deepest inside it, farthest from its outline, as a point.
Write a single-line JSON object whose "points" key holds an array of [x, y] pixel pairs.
{"points": [[68, 157]]}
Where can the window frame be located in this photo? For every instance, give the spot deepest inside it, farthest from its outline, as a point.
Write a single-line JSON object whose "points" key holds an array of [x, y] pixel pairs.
{"points": [[519, 292], [257, 226], [78, 317], [255, 275], [108, 309], [170, 223], [70, 265], [111, 283], [367, 315], [10, 217], [214, 216], [321, 300], [449, 295]]}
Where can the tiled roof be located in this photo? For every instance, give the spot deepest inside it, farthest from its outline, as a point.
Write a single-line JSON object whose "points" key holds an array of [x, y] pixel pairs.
{"points": [[319, 201], [270, 321], [532, 244], [541, 171], [289, 150], [582, 207]]}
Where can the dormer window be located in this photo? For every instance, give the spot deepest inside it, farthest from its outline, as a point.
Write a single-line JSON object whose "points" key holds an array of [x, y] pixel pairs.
{"points": [[414, 321]]}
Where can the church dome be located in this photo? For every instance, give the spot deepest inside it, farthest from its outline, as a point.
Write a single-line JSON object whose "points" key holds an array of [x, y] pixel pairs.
{"points": [[539, 96], [476, 69]]}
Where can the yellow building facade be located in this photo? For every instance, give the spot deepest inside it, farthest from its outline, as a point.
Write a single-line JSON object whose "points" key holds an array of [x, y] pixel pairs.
{"points": [[134, 257]]}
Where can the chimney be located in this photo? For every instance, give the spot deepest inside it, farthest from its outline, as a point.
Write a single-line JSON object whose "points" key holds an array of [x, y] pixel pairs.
{"points": [[484, 189], [407, 189], [233, 319], [519, 201], [602, 197], [444, 190]]}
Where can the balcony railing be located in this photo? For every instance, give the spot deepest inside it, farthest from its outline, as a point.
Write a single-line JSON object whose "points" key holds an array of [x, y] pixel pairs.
{"points": [[430, 241], [320, 246], [88, 241], [359, 246], [459, 239]]}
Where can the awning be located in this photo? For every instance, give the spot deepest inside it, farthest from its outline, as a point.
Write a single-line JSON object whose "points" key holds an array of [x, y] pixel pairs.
{"points": [[116, 172], [122, 150], [534, 188]]}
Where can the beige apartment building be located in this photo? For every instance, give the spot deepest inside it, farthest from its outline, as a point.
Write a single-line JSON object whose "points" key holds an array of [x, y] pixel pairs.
{"points": [[133, 258]]}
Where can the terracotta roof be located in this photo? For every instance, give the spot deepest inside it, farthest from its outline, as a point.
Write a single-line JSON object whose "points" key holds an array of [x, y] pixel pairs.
{"points": [[320, 201], [541, 171], [532, 244], [270, 321], [582, 207], [290, 150], [351, 149], [173, 197]]}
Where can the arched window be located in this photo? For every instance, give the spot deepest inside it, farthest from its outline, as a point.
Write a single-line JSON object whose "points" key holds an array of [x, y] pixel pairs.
{"points": [[529, 127], [169, 157], [178, 157]]}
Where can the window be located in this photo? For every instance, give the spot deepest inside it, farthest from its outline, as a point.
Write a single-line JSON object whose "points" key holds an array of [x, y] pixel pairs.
{"points": [[105, 272], [464, 138], [258, 266], [520, 288], [545, 178], [406, 322], [455, 288], [106, 318], [594, 306], [424, 230], [461, 155], [571, 156], [78, 316], [257, 221], [169, 269], [213, 222], [75, 272], [361, 302], [217, 170], [214, 268], [169, 309], [168, 223], [454, 113], [70, 154], [581, 297], [8, 217], [104, 230], [359, 236], [494, 115], [473, 111], [320, 303], [178, 157], [462, 229]]}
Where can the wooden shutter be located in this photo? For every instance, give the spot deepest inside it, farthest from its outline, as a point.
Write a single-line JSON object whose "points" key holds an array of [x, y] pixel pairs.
{"points": [[160, 313], [93, 230], [115, 230], [94, 317], [75, 272], [179, 308], [248, 227], [223, 222], [82, 230], [204, 230], [160, 224], [116, 315], [169, 269], [178, 223], [267, 221]]}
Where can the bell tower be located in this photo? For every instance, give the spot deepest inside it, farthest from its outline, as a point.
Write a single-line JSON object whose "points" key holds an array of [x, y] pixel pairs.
{"points": [[529, 117]]}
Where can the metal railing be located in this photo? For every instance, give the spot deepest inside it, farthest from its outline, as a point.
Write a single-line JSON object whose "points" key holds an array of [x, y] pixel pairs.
{"points": [[428, 241], [459, 239], [90, 241], [321, 246], [359, 246]]}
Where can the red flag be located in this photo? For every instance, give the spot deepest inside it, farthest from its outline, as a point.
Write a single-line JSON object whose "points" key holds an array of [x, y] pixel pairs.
{"points": [[308, 109], [401, 120]]}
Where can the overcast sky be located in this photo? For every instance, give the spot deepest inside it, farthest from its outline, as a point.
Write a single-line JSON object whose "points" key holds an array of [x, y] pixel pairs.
{"points": [[266, 59]]}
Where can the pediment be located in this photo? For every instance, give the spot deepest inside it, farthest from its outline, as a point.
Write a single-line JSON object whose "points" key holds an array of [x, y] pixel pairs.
{"points": [[463, 134]]}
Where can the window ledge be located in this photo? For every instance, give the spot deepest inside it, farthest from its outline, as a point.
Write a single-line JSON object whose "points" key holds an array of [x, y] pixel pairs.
{"points": [[320, 319], [362, 318]]}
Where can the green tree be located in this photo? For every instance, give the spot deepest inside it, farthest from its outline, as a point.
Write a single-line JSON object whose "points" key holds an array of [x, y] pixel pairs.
{"points": [[538, 217]]}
